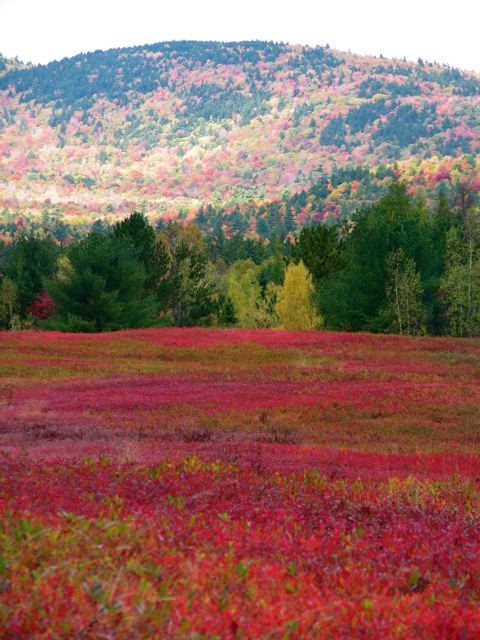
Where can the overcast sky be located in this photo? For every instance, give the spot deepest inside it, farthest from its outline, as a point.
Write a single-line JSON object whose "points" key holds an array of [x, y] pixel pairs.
{"points": [[435, 30]]}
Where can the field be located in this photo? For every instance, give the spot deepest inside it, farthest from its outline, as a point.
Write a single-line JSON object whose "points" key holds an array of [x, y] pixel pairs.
{"points": [[198, 483]]}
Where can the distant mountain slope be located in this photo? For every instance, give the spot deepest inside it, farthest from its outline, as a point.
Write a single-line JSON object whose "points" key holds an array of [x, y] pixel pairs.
{"points": [[177, 124]]}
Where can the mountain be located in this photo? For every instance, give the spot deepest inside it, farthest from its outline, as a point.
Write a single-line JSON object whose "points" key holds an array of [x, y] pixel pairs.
{"points": [[179, 124]]}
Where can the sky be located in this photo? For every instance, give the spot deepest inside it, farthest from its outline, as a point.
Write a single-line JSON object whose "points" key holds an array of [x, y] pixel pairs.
{"points": [[436, 30]]}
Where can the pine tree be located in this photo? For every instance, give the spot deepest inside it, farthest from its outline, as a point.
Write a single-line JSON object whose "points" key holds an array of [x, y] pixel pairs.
{"points": [[320, 250], [295, 306], [226, 312], [140, 234], [441, 223], [100, 288], [29, 261], [354, 298]]}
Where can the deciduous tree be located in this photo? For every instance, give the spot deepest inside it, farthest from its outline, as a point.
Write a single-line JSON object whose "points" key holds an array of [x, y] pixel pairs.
{"points": [[295, 305], [8, 303], [404, 311], [461, 282], [187, 287]]}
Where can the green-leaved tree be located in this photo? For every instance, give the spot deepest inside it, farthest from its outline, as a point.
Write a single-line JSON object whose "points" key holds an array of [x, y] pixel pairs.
{"points": [[8, 303], [187, 288], [404, 311], [461, 282]]}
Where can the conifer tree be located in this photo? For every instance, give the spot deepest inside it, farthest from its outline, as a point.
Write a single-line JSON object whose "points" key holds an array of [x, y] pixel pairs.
{"points": [[140, 234], [29, 261], [319, 248], [100, 288]]}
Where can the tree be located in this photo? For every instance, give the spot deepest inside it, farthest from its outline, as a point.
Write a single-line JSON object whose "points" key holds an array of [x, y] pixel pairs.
{"points": [[354, 298], [29, 261], [100, 288], [226, 312], [187, 288], [266, 315], [404, 311], [461, 282], [8, 303], [441, 224], [320, 250], [137, 231], [295, 300], [245, 292], [464, 197], [43, 307], [253, 305], [273, 268]]}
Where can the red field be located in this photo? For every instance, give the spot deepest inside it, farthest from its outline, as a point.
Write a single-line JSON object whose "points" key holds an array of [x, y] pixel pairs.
{"points": [[239, 484]]}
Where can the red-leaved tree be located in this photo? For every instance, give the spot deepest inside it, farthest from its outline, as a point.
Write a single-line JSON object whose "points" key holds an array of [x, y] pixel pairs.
{"points": [[43, 306]]}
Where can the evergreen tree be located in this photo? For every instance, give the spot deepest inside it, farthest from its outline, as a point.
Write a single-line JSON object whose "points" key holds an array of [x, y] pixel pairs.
{"points": [[29, 261], [137, 231], [320, 250], [263, 227], [273, 269], [100, 288], [441, 224], [226, 312], [354, 298]]}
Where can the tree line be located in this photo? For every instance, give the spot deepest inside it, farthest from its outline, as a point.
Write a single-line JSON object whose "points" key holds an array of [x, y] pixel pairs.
{"points": [[396, 266]]}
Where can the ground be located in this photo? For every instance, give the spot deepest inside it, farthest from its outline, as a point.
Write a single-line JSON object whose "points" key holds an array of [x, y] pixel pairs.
{"points": [[201, 483]]}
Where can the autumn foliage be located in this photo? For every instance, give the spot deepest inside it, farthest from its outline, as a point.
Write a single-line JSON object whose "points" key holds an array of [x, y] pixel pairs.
{"points": [[43, 306], [203, 483], [176, 124]]}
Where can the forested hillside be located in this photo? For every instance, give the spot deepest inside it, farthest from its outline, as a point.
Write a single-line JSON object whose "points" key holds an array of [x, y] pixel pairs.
{"points": [[179, 126], [396, 266]]}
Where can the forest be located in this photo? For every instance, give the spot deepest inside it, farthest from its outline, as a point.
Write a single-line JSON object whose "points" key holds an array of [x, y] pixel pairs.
{"points": [[183, 125], [396, 266]]}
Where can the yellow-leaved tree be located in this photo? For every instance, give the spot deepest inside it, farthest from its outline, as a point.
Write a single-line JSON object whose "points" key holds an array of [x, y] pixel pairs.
{"points": [[295, 306]]}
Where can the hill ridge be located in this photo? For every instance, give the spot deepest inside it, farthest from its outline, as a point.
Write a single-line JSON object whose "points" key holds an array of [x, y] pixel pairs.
{"points": [[180, 123]]}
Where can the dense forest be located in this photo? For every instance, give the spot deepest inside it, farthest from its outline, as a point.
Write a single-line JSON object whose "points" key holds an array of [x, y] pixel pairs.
{"points": [[397, 265], [179, 125], [251, 184]]}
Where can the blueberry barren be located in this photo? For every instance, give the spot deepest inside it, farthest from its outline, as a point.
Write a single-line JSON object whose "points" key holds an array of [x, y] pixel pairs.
{"points": [[196, 483]]}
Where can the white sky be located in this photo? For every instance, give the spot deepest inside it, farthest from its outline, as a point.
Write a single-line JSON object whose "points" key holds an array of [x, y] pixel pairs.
{"points": [[435, 30]]}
